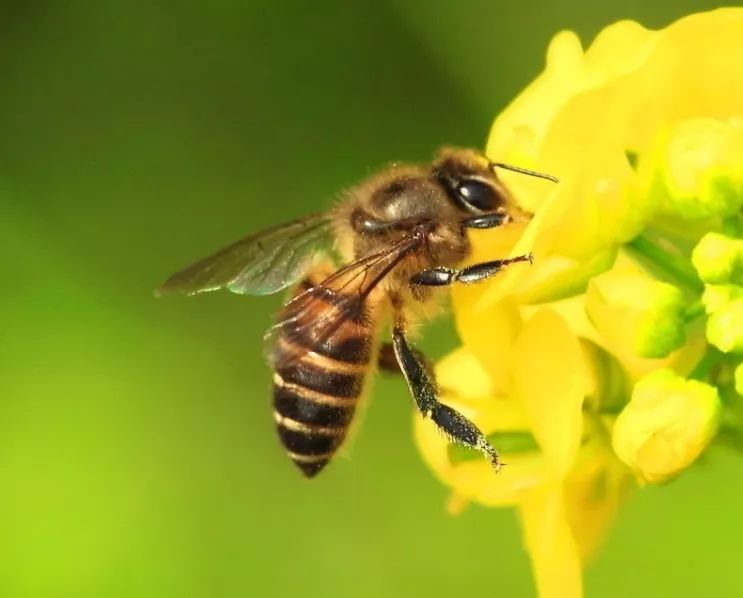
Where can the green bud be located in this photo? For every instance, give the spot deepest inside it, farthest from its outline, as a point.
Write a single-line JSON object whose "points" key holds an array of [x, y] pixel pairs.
{"points": [[725, 327], [716, 296], [636, 312], [718, 259]]}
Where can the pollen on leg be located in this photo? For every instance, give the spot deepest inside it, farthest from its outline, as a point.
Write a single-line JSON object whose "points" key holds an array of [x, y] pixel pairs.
{"points": [[489, 451]]}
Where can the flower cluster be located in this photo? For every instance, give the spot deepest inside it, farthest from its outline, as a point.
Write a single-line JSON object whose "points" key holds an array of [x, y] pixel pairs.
{"points": [[615, 359]]}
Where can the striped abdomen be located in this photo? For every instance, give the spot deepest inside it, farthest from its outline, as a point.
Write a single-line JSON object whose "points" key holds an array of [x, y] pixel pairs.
{"points": [[321, 358]]}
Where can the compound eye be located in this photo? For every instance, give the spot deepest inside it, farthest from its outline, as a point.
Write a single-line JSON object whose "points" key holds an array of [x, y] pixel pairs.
{"points": [[478, 195]]}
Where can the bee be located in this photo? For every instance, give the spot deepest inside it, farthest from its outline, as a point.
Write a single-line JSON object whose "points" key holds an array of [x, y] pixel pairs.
{"points": [[399, 234]]}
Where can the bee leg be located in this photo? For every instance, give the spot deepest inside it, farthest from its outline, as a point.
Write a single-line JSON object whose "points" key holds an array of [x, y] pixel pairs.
{"points": [[422, 385], [440, 276], [387, 360]]}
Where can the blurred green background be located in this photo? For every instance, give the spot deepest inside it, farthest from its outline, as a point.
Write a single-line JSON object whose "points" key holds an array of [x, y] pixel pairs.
{"points": [[137, 451]]}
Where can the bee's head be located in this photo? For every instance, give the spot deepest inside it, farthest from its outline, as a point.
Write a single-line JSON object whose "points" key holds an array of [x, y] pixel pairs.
{"points": [[471, 181]]}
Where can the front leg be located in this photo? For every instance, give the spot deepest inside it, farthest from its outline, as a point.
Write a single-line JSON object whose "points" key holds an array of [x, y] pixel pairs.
{"points": [[423, 387], [487, 220], [493, 220], [440, 275]]}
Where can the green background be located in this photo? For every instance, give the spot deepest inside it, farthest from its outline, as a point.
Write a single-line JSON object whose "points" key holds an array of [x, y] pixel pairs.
{"points": [[137, 451]]}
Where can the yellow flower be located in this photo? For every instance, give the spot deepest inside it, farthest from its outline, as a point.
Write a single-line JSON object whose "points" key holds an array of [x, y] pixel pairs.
{"points": [[564, 515], [666, 425], [644, 132]]}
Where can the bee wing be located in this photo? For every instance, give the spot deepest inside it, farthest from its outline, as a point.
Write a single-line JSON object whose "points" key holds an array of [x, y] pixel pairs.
{"points": [[318, 312], [263, 263]]}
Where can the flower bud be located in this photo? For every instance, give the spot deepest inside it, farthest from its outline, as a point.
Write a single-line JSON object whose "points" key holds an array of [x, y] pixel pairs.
{"points": [[666, 425], [698, 169], [718, 259], [725, 327], [639, 314]]}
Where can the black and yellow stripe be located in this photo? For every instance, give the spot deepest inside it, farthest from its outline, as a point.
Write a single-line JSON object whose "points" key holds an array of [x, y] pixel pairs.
{"points": [[318, 381]]}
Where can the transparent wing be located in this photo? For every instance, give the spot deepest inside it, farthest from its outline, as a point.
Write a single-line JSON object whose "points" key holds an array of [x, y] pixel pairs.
{"points": [[319, 311], [260, 264]]}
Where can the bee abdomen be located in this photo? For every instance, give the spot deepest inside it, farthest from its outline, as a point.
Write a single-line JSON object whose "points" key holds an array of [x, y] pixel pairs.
{"points": [[311, 431], [316, 388], [313, 410]]}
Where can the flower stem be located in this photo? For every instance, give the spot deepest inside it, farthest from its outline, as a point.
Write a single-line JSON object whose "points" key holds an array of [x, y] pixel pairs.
{"points": [[674, 266], [732, 226], [694, 310], [706, 366]]}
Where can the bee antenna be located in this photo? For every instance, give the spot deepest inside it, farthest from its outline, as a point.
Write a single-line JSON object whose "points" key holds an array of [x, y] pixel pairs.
{"points": [[534, 173]]}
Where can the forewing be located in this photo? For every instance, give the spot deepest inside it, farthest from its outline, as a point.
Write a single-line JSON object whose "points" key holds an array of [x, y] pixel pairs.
{"points": [[260, 264], [318, 312]]}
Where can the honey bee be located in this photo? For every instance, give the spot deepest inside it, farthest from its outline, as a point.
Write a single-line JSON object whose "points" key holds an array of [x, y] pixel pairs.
{"points": [[399, 234]]}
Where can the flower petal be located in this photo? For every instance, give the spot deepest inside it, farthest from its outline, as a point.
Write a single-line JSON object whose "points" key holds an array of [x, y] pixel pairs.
{"points": [[551, 380], [596, 489], [554, 554], [489, 333]]}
